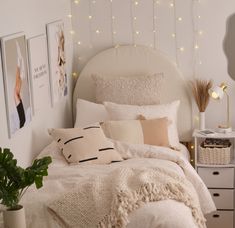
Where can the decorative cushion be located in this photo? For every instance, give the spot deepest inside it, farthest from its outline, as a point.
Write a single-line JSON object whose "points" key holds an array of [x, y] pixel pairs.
{"points": [[152, 132], [132, 112], [89, 112], [140, 90], [85, 145]]}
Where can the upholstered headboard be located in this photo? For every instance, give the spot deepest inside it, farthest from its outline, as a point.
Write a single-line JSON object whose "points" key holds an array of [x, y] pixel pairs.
{"points": [[136, 61]]}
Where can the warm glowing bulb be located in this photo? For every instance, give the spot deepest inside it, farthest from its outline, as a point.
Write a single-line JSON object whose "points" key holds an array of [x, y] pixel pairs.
{"points": [[72, 32], [199, 17], [114, 32], [70, 16], [74, 74], [173, 35], [154, 31], [214, 95], [135, 18], [180, 19], [136, 3], [196, 46], [182, 49], [171, 4], [90, 17], [137, 32], [113, 17], [79, 43], [157, 2], [97, 31], [200, 32], [76, 1]]}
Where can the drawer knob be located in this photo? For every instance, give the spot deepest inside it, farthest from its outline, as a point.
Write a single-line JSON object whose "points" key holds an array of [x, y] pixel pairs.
{"points": [[216, 194], [215, 216], [215, 173]]}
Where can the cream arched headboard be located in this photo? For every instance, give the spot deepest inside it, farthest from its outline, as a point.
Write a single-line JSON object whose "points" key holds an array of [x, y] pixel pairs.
{"points": [[136, 61]]}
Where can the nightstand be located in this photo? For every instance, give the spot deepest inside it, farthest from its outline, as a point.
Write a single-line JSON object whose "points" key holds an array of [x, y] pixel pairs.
{"points": [[220, 181]]}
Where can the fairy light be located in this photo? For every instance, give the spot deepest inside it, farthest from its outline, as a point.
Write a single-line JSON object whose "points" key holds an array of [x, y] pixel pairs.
{"points": [[155, 3], [90, 23], [113, 31], [72, 32], [76, 1], [97, 31], [179, 18], [79, 42], [69, 15], [197, 35], [133, 22]]}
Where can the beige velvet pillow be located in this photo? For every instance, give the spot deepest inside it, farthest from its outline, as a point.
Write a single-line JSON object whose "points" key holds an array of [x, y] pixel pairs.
{"points": [[134, 90], [152, 132], [85, 145]]}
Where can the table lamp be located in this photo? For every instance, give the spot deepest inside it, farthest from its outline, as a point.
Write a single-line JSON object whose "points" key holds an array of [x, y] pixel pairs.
{"points": [[217, 92]]}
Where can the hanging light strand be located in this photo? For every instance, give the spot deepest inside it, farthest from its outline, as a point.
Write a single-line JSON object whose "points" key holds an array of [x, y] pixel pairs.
{"points": [[113, 32], [90, 23], [155, 23], [133, 19]]}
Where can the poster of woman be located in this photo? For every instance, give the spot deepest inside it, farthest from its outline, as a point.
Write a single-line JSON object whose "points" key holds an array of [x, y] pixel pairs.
{"points": [[16, 85], [57, 61]]}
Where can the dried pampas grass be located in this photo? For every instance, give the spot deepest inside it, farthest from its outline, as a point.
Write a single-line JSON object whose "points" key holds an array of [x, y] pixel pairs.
{"points": [[200, 90]]}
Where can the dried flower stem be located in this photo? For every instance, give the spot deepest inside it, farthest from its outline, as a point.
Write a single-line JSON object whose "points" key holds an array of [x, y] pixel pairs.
{"points": [[200, 92]]}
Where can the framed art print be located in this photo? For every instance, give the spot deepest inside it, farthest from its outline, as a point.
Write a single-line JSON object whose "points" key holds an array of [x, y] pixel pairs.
{"points": [[16, 84], [39, 73], [57, 61]]}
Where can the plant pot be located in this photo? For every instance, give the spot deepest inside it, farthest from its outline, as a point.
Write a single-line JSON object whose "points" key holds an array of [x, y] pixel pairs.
{"points": [[14, 218], [201, 120]]}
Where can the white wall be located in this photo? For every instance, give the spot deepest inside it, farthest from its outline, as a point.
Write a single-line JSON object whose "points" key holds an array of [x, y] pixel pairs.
{"points": [[208, 61], [31, 16]]}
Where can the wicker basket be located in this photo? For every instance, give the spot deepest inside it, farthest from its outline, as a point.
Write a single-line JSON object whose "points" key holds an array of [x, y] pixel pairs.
{"points": [[215, 156]]}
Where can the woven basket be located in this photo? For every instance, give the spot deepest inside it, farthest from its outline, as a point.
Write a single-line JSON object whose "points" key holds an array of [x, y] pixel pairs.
{"points": [[215, 156]]}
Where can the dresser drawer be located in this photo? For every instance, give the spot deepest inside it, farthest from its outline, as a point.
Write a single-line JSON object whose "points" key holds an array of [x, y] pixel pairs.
{"points": [[220, 219], [223, 198], [217, 177]]}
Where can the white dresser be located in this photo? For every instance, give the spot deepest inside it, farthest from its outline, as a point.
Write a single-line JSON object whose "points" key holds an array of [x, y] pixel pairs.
{"points": [[220, 181]]}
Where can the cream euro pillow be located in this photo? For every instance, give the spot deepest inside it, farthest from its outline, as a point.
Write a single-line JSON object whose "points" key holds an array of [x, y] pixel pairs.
{"points": [[89, 112], [132, 112], [85, 145], [140, 90], [152, 132]]}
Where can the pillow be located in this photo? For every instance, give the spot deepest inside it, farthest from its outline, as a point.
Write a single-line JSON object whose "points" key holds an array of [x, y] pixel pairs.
{"points": [[152, 132], [89, 112], [140, 90], [85, 145], [131, 112]]}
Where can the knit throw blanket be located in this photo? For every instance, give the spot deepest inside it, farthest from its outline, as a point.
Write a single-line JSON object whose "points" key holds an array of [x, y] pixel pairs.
{"points": [[106, 201]]}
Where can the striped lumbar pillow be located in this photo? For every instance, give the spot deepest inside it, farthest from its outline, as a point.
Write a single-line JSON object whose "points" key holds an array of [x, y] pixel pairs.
{"points": [[85, 145]]}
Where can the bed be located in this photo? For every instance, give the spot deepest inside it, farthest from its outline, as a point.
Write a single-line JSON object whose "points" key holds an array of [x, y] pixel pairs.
{"points": [[57, 204]]}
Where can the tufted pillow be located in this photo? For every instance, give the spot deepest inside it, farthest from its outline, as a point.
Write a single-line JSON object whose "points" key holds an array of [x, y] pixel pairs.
{"points": [[152, 132], [140, 90], [85, 145], [132, 112]]}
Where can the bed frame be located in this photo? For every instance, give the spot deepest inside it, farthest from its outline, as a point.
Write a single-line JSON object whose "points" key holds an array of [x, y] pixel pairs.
{"points": [[135, 61]]}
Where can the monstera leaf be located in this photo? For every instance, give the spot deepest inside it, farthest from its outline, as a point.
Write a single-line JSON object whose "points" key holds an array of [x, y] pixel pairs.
{"points": [[15, 180]]}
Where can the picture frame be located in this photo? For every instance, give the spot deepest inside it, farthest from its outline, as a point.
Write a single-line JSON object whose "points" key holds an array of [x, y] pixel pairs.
{"points": [[39, 72], [16, 83], [57, 62]]}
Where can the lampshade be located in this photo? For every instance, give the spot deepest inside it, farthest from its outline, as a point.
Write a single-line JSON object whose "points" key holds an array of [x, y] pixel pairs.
{"points": [[217, 92]]}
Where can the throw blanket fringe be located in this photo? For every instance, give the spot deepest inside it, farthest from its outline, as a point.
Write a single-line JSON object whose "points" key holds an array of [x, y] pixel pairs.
{"points": [[106, 202]]}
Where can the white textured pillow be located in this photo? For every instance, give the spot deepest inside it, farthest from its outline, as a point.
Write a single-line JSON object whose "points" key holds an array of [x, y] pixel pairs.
{"points": [[140, 90], [85, 145], [89, 112], [131, 112]]}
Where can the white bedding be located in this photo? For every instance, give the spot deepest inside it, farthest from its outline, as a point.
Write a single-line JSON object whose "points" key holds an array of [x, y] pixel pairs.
{"points": [[63, 177]]}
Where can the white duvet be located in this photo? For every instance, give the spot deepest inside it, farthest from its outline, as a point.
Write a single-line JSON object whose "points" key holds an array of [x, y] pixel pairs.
{"points": [[165, 214]]}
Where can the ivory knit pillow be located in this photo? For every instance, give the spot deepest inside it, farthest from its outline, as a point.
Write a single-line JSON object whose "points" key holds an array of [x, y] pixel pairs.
{"points": [[134, 90], [85, 145], [152, 132]]}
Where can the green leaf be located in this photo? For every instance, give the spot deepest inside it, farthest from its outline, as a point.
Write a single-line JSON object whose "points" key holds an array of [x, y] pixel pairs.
{"points": [[14, 179]]}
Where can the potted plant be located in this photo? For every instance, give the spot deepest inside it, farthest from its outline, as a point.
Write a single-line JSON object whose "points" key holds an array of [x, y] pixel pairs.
{"points": [[14, 181], [200, 90]]}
